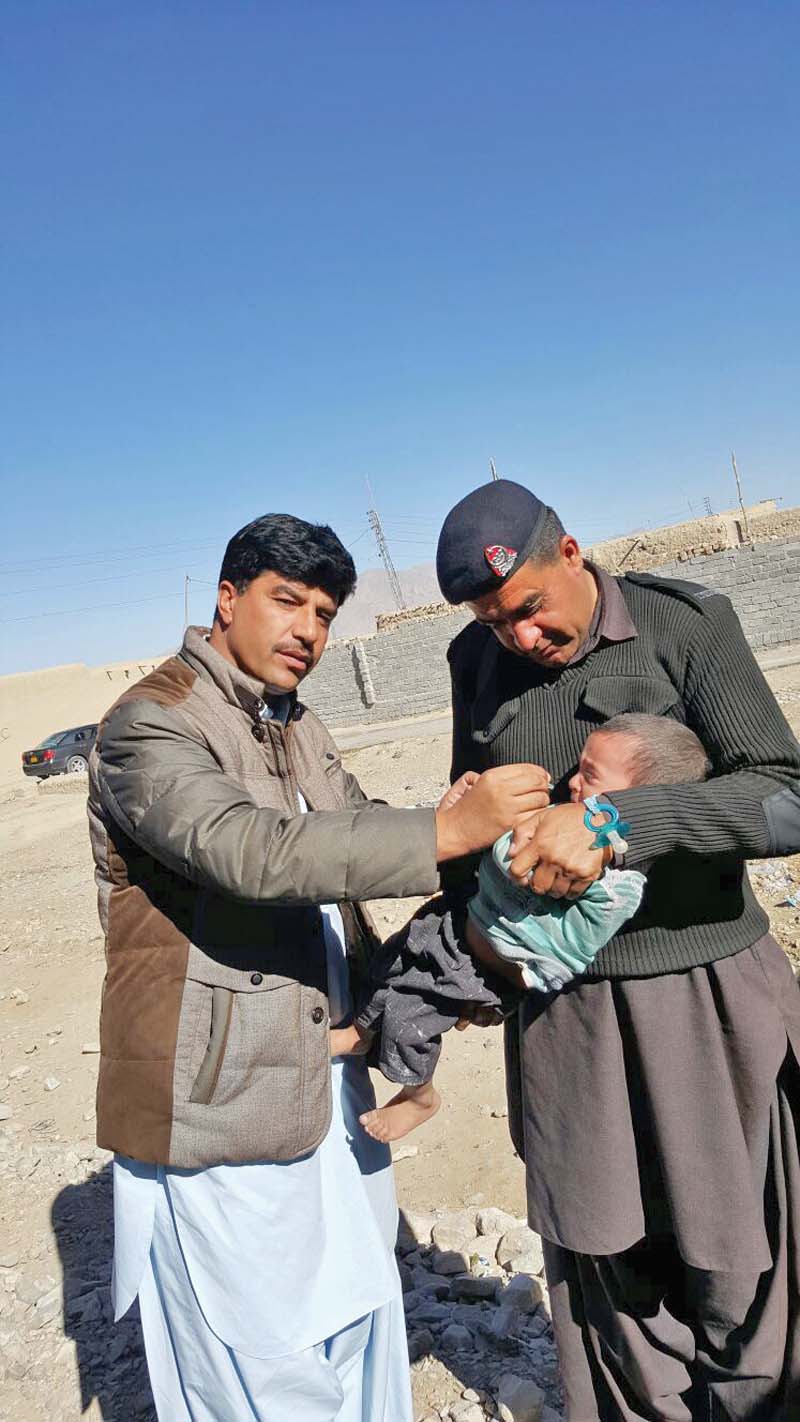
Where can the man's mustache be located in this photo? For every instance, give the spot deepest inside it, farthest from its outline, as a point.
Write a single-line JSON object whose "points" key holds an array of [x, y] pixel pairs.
{"points": [[553, 639], [297, 653]]}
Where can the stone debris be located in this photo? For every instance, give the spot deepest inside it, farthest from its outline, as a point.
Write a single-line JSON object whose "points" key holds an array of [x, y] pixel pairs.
{"points": [[5, 1112], [467, 1412], [456, 1336], [520, 1251], [449, 1261], [519, 1399], [90, 1049], [51, 1083], [471, 1323], [420, 1226], [453, 1231], [523, 1292], [406, 1153], [468, 1287], [496, 1222], [47, 1308], [479, 1334]]}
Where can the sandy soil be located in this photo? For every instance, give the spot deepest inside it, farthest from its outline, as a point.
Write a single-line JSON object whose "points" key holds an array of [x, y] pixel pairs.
{"points": [[52, 950], [51, 968]]}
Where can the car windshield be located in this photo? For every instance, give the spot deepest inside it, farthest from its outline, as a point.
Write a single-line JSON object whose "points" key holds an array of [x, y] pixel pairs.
{"points": [[51, 741]]}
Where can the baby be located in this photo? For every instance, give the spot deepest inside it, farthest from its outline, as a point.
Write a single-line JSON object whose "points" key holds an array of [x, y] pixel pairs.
{"points": [[423, 983]]}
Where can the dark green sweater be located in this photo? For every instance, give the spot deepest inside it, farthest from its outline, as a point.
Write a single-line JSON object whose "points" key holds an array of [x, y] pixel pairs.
{"points": [[688, 658]]}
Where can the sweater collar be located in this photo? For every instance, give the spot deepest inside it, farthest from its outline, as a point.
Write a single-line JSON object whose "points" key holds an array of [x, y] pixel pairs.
{"points": [[236, 686]]}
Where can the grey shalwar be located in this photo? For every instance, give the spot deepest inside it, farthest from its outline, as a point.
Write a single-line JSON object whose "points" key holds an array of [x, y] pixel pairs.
{"points": [[670, 1237]]}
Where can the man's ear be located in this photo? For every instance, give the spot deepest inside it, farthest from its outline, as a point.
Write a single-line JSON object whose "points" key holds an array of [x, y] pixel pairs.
{"points": [[226, 603], [570, 551]]}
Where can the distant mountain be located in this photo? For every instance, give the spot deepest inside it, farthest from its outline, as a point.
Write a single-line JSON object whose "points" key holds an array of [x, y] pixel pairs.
{"points": [[374, 595]]}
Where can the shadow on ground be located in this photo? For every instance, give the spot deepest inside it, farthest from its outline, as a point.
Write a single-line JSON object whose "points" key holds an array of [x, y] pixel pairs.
{"points": [[112, 1373], [109, 1357]]}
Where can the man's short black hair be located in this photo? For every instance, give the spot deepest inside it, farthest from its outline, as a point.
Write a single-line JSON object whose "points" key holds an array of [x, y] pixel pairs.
{"points": [[307, 553], [546, 545]]}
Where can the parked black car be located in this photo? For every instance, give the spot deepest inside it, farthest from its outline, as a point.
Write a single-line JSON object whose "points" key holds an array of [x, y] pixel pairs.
{"points": [[65, 753]]}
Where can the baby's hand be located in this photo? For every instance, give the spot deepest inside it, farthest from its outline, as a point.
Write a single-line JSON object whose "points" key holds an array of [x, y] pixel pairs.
{"points": [[458, 790], [349, 1041]]}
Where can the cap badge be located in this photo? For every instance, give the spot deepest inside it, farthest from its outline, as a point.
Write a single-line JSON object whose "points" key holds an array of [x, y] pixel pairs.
{"points": [[500, 559]]}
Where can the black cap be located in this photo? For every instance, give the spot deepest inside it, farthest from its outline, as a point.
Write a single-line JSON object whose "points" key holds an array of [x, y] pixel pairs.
{"points": [[485, 538]]}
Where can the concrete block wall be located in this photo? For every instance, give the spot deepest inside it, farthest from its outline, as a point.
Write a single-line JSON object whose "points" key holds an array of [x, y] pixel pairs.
{"points": [[762, 581], [407, 670], [402, 670]]}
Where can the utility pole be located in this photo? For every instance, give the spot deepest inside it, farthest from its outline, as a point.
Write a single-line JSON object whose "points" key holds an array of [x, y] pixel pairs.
{"points": [[707, 505], [745, 524], [186, 582], [495, 475], [383, 549]]}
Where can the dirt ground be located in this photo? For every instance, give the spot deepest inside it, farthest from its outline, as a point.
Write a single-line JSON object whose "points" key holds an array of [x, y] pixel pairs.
{"points": [[51, 968]]}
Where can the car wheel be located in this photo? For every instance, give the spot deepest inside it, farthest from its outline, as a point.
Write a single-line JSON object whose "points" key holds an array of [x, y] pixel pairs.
{"points": [[76, 764]]}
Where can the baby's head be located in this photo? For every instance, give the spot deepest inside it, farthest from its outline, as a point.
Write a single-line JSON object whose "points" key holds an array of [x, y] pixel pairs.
{"points": [[638, 750]]}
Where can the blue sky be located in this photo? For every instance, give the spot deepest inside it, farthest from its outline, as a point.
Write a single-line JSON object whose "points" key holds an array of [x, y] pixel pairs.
{"points": [[257, 252]]}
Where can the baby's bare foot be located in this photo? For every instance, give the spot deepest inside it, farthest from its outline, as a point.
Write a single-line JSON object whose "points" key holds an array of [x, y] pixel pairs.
{"points": [[408, 1109]]}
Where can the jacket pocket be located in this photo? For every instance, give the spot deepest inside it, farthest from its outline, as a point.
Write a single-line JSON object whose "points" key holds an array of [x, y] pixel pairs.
{"points": [[234, 1028], [607, 696], [222, 1000]]}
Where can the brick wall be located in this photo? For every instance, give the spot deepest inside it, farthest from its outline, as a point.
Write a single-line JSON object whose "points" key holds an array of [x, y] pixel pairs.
{"points": [[407, 672], [402, 671], [762, 581]]}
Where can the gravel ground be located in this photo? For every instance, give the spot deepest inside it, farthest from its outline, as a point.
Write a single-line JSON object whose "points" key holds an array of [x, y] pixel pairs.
{"points": [[478, 1320]]}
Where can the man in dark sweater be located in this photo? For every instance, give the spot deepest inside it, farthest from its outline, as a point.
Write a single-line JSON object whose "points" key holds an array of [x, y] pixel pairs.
{"points": [[656, 1101]]}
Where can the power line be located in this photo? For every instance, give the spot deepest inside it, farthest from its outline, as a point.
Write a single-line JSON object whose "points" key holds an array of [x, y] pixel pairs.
{"points": [[426, 542], [109, 578], [93, 607], [418, 522], [146, 550]]}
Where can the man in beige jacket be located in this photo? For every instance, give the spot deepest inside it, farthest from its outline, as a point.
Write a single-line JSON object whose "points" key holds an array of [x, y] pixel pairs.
{"points": [[254, 1218]]}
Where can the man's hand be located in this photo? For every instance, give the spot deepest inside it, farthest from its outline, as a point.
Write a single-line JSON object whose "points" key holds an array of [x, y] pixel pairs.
{"points": [[496, 802], [553, 853], [458, 789]]}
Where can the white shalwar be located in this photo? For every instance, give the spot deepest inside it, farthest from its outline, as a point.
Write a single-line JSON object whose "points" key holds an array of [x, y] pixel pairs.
{"points": [[269, 1291]]}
